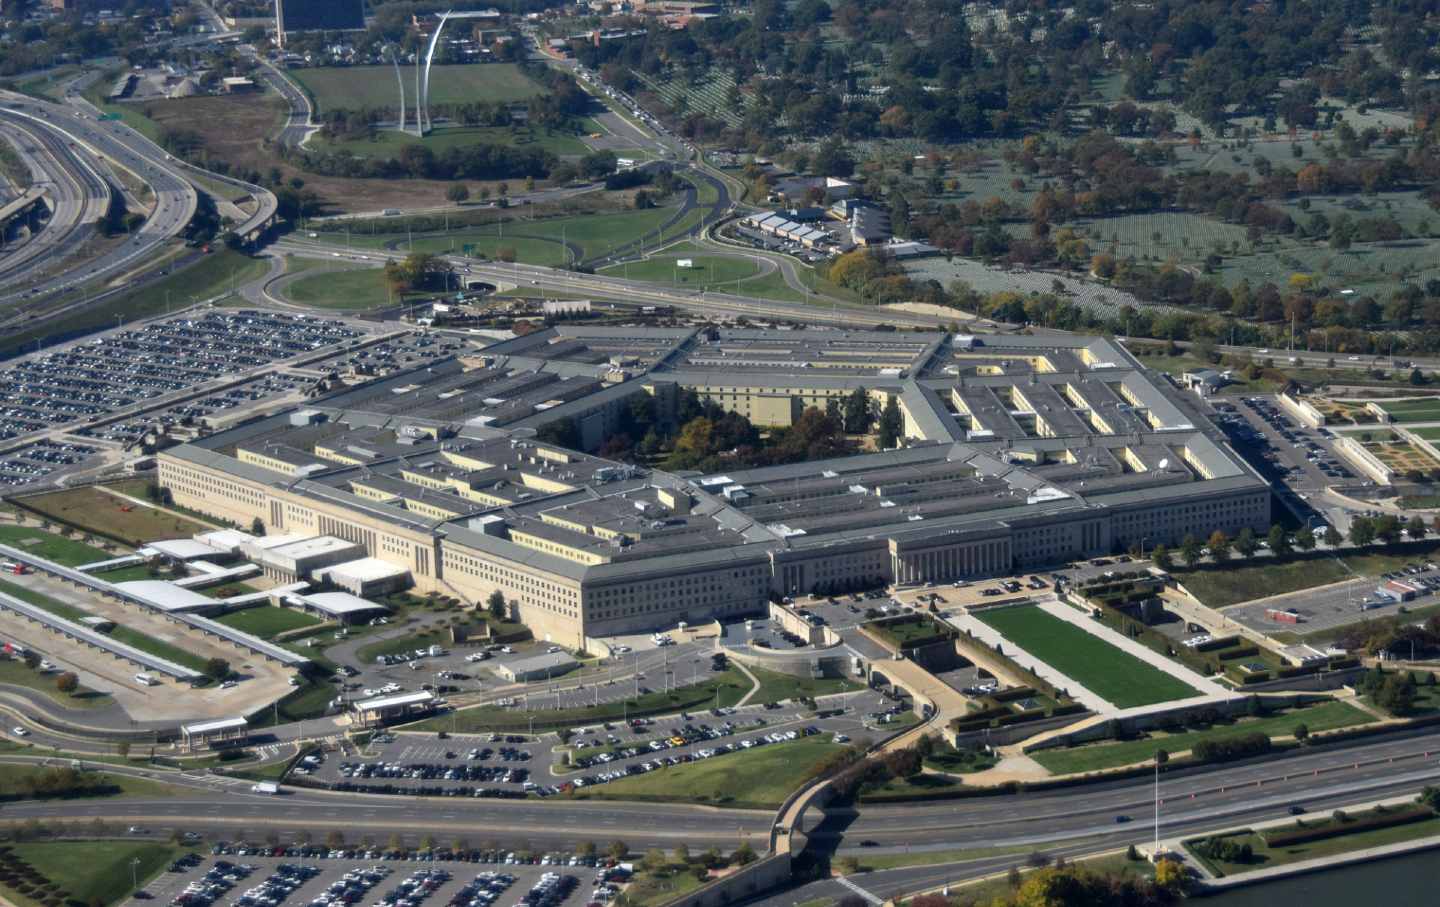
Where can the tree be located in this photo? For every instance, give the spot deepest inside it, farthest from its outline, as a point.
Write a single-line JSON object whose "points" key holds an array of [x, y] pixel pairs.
{"points": [[1190, 550], [891, 424], [1245, 542], [1219, 545], [1362, 531], [1415, 527], [1279, 540], [257, 526], [1170, 875], [617, 850], [495, 604], [744, 855], [122, 749], [1162, 757], [1161, 557], [217, 669], [857, 414], [32, 660], [1301, 732], [1332, 537], [458, 193], [67, 683], [1305, 539]]}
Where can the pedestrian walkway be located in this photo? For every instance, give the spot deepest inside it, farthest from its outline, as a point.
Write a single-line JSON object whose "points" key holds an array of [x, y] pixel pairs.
{"points": [[869, 898]]}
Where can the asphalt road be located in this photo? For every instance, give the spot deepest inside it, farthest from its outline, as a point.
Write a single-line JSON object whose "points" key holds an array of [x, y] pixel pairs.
{"points": [[174, 206]]}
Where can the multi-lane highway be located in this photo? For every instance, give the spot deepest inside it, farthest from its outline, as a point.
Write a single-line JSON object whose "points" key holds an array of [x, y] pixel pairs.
{"points": [[175, 198], [77, 193]]}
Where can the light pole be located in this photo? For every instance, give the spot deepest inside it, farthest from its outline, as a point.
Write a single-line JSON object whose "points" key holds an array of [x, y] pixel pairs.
{"points": [[1154, 854], [134, 877]]}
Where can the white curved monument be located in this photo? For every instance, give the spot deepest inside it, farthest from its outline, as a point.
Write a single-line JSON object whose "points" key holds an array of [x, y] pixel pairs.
{"points": [[422, 87]]}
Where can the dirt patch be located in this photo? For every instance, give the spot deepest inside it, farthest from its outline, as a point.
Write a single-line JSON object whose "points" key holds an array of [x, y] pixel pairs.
{"points": [[928, 308], [239, 130]]}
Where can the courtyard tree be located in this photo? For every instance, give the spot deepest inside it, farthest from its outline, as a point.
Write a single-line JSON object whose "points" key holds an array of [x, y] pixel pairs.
{"points": [[1245, 542], [1190, 550], [1279, 540], [1305, 539], [1219, 545]]}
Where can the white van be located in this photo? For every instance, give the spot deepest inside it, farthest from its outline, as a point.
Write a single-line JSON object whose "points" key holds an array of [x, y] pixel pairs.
{"points": [[147, 680]]}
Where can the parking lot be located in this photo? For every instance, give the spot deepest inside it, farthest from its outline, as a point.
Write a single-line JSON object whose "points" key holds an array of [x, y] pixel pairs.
{"points": [[1300, 462], [41, 461], [1339, 604], [514, 765], [321, 876]]}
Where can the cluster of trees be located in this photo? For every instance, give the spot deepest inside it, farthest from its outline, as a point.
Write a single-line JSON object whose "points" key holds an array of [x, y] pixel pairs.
{"points": [[61, 782], [1226, 849], [1229, 748], [478, 161], [1220, 547], [1058, 883], [1393, 691], [1392, 634], [418, 271]]}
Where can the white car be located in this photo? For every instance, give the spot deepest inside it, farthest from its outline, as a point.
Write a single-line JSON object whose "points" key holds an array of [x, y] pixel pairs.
{"points": [[20, 732]]}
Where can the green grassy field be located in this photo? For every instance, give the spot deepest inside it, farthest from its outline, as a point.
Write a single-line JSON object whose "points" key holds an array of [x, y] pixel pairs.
{"points": [[95, 872], [266, 621], [1429, 433], [776, 687], [760, 778], [93, 510], [351, 289], [539, 241], [1267, 857], [1412, 410], [14, 784], [354, 87], [40, 543], [19, 674], [706, 271], [1092, 757], [1103, 669], [389, 143]]}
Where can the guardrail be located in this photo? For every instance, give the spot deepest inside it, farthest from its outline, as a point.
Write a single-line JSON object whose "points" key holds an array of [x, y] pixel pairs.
{"points": [[97, 639]]}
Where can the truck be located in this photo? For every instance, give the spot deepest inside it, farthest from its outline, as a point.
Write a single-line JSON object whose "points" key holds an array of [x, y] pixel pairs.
{"points": [[265, 787]]}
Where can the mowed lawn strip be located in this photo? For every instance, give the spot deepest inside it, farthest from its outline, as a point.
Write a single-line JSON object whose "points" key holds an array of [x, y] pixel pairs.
{"points": [[759, 778], [1324, 716], [1104, 670]]}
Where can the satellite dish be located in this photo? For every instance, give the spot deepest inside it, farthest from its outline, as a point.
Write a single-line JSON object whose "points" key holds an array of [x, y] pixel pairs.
{"points": [[1164, 463]]}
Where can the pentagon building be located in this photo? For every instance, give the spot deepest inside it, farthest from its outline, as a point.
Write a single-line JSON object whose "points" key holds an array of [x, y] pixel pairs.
{"points": [[1020, 452]]}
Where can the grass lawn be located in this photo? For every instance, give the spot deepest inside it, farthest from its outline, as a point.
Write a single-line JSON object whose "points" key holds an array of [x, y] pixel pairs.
{"points": [[266, 621], [57, 548], [353, 87], [14, 784], [93, 872], [125, 574], [40, 599], [1412, 410], [1267, 857], [1324, 716], [389, 143], [705, 271], [1237, 582], [539, 241], [650, 888], [915, 787], [19, 674], [1428, 433], [730, 684], [347, 288], [946, 758], [909, 632], [93, 510], [1103, 669], [759, 778], [775, 687], [159, 648]]}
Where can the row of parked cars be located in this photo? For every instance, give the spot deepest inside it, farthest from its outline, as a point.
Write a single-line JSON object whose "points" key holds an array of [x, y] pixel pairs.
{"points": [[351, 887], [277, 887], [640, 768], [489, 774], [213, 885], [415, 888], [483, 890], [476, 855]]}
